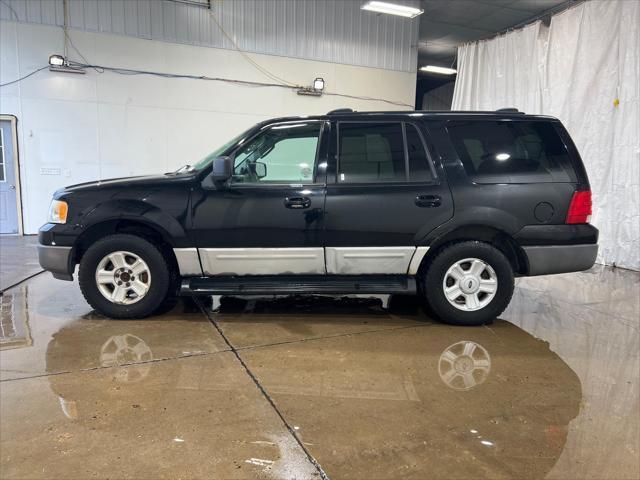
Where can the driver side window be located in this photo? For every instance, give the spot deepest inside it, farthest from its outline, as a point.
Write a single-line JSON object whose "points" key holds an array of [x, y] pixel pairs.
{"points": [[284, 153]]}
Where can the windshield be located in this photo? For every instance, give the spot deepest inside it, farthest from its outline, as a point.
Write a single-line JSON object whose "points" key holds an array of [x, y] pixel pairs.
{"points": [[219, 151]]}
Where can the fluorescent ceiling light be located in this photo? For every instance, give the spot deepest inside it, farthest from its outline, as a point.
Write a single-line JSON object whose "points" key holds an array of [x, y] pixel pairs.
{"points": [[391, 9], [442, 70]]}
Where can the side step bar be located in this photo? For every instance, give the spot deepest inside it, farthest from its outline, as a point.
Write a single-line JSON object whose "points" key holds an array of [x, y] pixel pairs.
{"points": [[302, 284]]}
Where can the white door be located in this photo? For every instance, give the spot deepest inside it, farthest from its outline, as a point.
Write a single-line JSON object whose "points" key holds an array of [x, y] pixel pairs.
{"points": [[8, 199]]}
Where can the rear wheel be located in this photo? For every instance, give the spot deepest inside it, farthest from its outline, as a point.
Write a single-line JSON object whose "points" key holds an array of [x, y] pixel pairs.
{"points": [[469, 283], [124, 276]]}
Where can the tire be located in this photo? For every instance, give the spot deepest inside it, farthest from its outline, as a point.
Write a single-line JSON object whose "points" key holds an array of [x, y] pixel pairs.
{"points": [[482, 276], [153, 282]]}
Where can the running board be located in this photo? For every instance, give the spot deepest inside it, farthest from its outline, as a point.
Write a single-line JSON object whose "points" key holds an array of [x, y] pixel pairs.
{"points": [[300, 284]]}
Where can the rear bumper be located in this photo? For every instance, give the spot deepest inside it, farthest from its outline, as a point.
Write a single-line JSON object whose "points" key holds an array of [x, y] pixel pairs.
{"points": [[549, 259], [57, 260]]}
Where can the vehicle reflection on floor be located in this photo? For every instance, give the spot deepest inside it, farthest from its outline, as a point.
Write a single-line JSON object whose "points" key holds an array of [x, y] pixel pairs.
{"points": [[452, 402], [423, 398], [370, 392]]}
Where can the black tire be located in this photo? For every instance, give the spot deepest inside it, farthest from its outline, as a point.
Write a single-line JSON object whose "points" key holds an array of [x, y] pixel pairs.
{"points": [[435, 276], [159, 285]]}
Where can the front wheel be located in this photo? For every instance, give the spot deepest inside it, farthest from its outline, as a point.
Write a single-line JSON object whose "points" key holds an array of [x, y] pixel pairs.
{"points": [[469, 283], [124, 276]]}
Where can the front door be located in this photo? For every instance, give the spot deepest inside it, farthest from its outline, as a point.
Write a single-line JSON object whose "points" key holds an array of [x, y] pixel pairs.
{"points": [[269, 218], [8, 180], [384, 195]]}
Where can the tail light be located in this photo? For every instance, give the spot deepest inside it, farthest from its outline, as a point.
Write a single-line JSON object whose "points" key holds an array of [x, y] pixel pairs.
{"points": [[580, 208]]}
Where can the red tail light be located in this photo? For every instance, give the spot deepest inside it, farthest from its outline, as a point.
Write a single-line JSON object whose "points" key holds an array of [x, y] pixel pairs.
{"points": [[580, 208]]}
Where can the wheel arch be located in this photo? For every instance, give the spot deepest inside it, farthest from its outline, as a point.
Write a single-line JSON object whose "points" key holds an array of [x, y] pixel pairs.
{"points": [[150, 232], [488, 234]]}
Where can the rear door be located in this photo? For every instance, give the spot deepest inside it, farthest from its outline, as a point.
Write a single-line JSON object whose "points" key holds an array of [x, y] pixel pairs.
{"points": [[384, 195]]}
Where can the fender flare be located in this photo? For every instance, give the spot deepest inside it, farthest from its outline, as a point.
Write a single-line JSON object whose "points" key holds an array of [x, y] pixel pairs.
{"points": [[172, 232], [475, 217]]}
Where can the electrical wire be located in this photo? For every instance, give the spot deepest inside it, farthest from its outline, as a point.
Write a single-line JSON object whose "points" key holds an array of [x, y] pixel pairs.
{"points": [[247, 83], [24, 77], [68, 37], [192, 3], [129, 71], [372, 99], [246, 56], [65, 26], [10, 8]]}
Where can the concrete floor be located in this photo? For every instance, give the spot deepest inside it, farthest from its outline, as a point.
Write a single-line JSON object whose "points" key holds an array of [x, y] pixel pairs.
{"points": [[308, 387], [18, 259]]}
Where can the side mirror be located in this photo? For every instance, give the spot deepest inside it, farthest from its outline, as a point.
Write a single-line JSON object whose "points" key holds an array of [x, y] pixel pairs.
{"points": [[221, 172], [222, 169]]}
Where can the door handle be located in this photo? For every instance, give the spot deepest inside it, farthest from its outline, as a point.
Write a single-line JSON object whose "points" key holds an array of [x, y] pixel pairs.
{"points": [[297, 202], [428, 201]]}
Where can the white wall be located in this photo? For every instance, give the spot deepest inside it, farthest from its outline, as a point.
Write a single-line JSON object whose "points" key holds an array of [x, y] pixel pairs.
{"points": [[106, 125]]}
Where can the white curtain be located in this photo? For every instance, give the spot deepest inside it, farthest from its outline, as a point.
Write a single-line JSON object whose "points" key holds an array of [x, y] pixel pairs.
{"points": [[585, 70]]}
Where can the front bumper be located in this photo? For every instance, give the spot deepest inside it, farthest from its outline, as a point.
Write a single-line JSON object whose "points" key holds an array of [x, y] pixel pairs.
{"points": [[549, 259], [57, 260]]}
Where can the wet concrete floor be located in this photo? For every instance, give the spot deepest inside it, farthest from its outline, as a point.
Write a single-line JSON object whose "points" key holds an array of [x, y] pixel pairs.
{"points": [[18, 259], [314, 387]]}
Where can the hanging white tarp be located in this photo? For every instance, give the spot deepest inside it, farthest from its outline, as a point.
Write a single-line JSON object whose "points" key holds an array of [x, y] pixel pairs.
{"points": [[585, 70]]}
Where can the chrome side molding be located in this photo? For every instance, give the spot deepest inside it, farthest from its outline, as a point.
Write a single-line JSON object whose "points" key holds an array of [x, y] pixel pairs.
{"points": [[262, 261], [188, 262], [368, 260]]}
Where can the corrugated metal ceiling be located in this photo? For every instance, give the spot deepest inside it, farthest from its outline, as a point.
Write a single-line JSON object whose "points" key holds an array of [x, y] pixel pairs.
{"points": [[327, 30]]}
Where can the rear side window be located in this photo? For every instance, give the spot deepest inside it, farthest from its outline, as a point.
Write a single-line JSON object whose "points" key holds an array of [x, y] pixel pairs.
{"points": [[494, 151], [376, 152], [371, 152]]}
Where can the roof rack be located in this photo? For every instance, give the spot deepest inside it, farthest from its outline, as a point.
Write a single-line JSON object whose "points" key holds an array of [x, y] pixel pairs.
{"points": [[509, 110], [340, 110]]}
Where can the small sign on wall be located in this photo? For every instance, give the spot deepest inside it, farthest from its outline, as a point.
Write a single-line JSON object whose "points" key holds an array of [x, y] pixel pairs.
{"points": [[50, 171]]}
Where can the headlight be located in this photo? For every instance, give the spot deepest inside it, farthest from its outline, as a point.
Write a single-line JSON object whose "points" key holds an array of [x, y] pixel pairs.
{"points": [[58, 212]]}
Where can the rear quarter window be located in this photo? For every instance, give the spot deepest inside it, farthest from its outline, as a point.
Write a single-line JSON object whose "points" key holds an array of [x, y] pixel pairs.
{"points": [[511, 151]]}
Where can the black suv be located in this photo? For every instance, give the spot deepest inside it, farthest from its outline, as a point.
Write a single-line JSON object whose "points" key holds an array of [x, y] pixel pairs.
{"points": [[450, 205]]}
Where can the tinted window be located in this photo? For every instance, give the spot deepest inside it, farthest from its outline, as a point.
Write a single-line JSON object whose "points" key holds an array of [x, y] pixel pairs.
{"points": [[511, 151], [281, 154], [419, 165], [370, 152]]}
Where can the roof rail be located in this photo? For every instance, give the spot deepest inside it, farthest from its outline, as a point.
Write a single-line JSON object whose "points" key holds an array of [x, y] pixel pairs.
{"points": [[340, 110], [509, 110]]}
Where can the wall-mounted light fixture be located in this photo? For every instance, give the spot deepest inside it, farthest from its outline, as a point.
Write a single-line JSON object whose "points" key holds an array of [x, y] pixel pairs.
{"points": [[392, 9], [315, 90], [56, 61], [59, 63], [440, 70]]}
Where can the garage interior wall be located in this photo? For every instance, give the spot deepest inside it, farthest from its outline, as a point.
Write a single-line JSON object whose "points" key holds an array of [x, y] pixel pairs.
{"points": [[584, 70], [439, 99], [74, 128]]}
